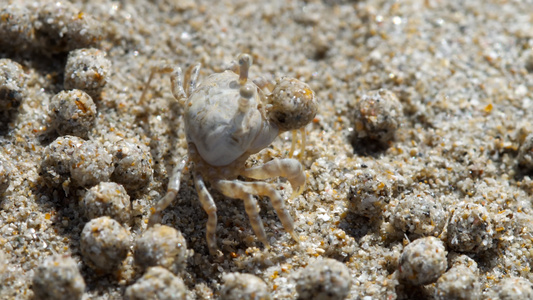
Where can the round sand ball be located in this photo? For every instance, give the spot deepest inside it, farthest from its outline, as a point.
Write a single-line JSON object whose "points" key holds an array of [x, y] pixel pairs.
{"points": [[73, 113], [378, 114], [325, 279], [133, 166], [240, 286], [61, 27], [91, 164], [423, 261], [16, 29], [58, 278], [470, 228], [107, 199], [419, 214], [157, 283], [161, 245], [456, 259], [293, 104], [12, 84], [368, 195], [104, 244], [525, 155], [88, 70], [511, 289], [56, 160], [458, 283]]}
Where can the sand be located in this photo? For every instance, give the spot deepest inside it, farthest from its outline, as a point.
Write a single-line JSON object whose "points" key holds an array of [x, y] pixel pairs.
{"points": [[445, 154]]}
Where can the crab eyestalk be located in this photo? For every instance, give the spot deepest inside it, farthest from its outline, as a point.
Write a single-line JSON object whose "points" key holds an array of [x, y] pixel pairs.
{"points": [[246, 93], [245, 61], [241, 119]]}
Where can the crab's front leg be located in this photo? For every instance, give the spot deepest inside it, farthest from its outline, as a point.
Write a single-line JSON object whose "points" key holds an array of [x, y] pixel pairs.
{"points": [[238, 190], [245, 191], [264, 189], [288, 168]]}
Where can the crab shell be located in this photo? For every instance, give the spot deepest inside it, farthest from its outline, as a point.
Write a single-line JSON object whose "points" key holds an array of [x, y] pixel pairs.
{"points": [[217, 127]]}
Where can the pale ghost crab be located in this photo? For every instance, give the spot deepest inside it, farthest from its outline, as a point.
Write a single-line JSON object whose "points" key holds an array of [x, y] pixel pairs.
{"points": [[227, 119]]}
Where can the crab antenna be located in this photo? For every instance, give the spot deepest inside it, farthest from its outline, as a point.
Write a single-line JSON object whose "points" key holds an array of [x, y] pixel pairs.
{"points": [[245, 61]]}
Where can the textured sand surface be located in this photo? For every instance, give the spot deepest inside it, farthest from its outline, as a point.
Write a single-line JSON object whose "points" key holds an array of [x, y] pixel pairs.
{"points": [[447, 152]]}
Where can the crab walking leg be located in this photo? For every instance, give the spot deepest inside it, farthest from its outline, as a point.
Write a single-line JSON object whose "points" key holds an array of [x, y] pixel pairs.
{"points": [[288, 168], [265, 189], [293, 143], [210, 208], [172, 191], [155, 70], [191, 77], [176, 85], [264, 84], [238, 190], [304, 140], [295, 140]]}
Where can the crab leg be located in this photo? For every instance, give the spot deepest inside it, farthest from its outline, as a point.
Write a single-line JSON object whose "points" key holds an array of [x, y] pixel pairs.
{"points": [[288, 168], [172, 191], [210, 208], [176, 85], [239, 190], [191, 78], [264, 84], [265, 189], [304, 140], [295, 140], [293, 143], [155, 70]]}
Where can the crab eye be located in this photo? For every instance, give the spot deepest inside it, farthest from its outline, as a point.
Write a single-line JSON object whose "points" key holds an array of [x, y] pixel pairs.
{"points": [[246, 91], [292, 104]]}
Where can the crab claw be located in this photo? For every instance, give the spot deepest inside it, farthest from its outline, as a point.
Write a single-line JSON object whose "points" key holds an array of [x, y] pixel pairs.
{"points": [[297, 184]]}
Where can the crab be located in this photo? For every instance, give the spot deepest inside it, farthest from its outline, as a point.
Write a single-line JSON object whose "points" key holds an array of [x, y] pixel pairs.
{"points": [[228, 118]]}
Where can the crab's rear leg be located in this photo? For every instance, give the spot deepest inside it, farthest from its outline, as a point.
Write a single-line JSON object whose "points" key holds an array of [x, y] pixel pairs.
{"points": [[181, 86], [172, 191], [210, 208], [239, 190], [153, 72], [191, 78]]}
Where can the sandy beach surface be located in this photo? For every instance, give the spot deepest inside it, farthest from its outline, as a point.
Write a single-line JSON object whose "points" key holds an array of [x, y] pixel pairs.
{"points": [[418, 162]]}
